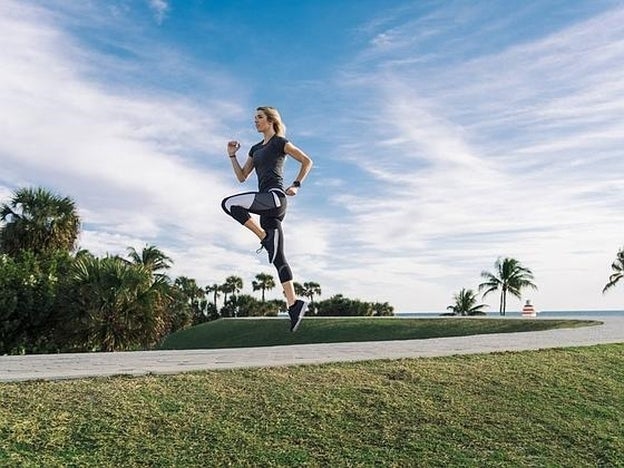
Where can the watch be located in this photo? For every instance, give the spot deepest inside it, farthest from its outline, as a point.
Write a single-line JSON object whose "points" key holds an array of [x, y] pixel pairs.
{"points": [[296, 183]]}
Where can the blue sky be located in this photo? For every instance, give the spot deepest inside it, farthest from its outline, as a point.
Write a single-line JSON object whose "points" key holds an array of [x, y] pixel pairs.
{"points": [[444, 135]]}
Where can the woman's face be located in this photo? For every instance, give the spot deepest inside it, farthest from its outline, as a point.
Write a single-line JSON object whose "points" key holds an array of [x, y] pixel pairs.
{"points": [[262, 122]]}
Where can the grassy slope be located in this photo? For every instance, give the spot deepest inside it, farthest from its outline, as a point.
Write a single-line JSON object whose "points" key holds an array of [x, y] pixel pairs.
{"points": [[235, 333], [542, 408]]}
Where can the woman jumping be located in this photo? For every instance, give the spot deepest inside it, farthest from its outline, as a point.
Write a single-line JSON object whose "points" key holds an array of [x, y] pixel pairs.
{"points": [[269, 202]]}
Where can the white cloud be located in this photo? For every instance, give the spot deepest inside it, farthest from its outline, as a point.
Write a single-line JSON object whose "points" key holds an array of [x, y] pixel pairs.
{"points": [[511, 153], [142, 168], [514, 153], [160, 9]]}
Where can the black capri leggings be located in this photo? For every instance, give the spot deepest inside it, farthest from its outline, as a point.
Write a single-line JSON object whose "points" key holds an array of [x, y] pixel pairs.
{"points": [[271, 207]]}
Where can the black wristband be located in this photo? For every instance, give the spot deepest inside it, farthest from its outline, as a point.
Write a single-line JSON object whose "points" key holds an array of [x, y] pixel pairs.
{"points": [[233, 156], [296, 183]]}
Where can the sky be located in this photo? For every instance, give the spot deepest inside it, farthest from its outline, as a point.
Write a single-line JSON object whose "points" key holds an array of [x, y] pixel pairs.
{"points": [[444, 135]]}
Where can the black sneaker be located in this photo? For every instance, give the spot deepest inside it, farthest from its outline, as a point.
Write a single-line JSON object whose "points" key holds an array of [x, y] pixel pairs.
{"points": [[269, 243], [296, 313]]}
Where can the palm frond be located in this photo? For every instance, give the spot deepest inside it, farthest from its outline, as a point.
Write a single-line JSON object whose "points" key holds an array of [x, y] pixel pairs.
{"points": [[618, 271]]}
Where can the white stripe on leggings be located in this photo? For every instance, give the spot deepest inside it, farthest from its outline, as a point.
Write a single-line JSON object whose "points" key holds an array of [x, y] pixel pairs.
{"points": [[244, 200]]}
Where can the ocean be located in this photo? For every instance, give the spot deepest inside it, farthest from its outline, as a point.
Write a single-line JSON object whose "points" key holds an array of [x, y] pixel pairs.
{"points": [[580, 314]]}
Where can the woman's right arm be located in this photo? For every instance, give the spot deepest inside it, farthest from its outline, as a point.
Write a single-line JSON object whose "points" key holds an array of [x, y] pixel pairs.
{"points": [[242, 172]]}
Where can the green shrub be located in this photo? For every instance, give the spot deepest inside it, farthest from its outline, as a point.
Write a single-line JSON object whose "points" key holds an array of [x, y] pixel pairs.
{"points": [[339, 305], [30, 312]]}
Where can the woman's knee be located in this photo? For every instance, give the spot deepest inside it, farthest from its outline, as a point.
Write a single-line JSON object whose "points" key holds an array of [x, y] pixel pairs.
{"points": [[237, 212]]}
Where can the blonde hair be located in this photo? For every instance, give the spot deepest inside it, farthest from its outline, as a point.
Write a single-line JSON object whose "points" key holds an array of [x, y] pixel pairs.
{"points": [[274, 117]]}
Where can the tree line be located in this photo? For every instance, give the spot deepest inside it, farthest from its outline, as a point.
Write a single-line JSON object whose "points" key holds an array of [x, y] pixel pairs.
{"points": [[55, 297], [510, 276]]}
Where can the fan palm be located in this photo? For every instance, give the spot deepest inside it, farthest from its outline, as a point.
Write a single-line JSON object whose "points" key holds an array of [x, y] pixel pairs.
{"points": [[466, 303], [193, 294], [311, 289], [510, 277], [215, 290], [38, 220], [232, 285], [264, 282], [618, 271], [153, 259], [299, 289], [121, 304]]}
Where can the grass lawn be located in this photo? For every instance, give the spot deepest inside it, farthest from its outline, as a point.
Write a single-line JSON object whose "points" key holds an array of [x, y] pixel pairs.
{"points": [[237, 333], [561, 407]]}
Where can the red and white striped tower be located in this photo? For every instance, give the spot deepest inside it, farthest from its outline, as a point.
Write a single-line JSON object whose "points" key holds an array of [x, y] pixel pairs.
{"points": [[528, 310]]}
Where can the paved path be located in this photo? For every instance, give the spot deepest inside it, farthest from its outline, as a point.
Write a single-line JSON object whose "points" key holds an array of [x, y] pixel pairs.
{"points": [[71, 366]]}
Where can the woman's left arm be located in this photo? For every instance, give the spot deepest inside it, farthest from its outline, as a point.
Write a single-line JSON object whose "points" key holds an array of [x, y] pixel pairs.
{"points": [[306, 165]]}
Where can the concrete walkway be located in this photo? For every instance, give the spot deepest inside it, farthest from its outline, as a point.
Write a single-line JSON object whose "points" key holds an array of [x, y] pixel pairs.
{"points": [[72, 366]]}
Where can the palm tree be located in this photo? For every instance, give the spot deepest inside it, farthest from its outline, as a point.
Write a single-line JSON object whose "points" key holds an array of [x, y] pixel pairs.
{"points": [[299, 289], [151, 258], [618, 271], [510, 277], [214, 289], [120, 304], [193, 294], [38, 220], [232, 285], [265, 281], [311, 289], [466, 303]]}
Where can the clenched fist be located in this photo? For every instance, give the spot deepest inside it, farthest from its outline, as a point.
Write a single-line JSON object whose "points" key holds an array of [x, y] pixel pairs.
{"points": [[232, 147]]}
